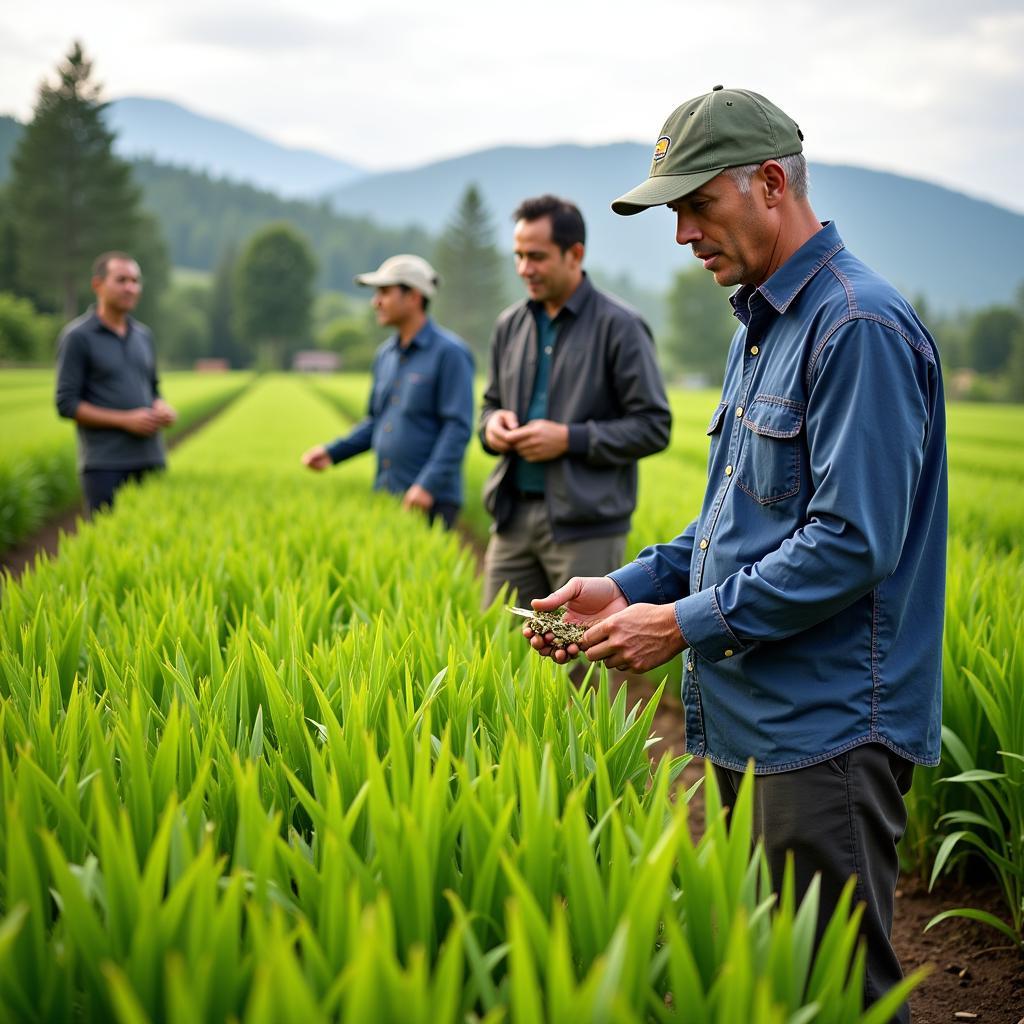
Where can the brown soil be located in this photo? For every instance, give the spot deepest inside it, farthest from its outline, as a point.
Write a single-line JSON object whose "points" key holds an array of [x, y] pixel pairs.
{"points": [[41, 544], [973, 970]]}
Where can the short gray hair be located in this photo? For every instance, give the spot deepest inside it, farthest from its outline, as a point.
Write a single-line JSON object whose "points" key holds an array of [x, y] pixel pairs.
{"points": [[795, 167]]}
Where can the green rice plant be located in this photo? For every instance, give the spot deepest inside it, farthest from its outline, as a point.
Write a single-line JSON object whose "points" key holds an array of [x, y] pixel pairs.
{"points": [[263, 757], [994, 826], [38, 474]]}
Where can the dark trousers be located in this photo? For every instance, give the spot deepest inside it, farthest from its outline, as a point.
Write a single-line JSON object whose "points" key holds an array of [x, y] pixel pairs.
{"points": [[99, 485], [444, 511], [841, 817]]}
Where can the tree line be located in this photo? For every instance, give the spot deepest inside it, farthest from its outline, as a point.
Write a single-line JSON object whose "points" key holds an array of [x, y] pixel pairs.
{"points": [[271, 276], [279, 273]]}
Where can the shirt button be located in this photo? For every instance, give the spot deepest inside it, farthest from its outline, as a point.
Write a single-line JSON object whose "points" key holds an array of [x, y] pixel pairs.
{"points": [[728, 470], [703, 543], [689, 665], [728, 653], [739, 410], [754, 350], [547, 351]]}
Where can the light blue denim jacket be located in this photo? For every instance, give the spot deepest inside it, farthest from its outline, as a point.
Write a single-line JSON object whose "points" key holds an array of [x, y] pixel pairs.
{"points": [[811, 587]]}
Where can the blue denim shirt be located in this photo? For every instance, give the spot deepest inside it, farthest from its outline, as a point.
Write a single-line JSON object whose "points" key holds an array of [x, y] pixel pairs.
{"points": [[811, 587], [420, 415]]}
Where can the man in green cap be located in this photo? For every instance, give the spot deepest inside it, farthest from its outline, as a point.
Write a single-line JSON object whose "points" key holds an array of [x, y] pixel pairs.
{"points": [[808, 594]]}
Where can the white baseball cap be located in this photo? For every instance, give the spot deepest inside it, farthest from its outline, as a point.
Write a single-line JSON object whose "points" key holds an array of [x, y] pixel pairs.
{"points": [[412, 271]]}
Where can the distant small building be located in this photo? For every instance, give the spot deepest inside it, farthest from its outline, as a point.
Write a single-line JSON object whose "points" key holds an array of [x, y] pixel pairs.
{"points": [[316, 361], [961, 383], [211, 365]]}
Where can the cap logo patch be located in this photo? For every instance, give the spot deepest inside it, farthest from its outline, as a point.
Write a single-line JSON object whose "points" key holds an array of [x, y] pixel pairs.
{"points": [[661, 148]]}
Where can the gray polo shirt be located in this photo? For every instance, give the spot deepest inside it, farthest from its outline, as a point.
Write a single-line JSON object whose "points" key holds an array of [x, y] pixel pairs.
{"points": [[97, 365]]}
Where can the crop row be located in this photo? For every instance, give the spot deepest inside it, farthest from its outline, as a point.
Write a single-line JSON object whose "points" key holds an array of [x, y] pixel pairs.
{"points": [[972, 805], [264, 758], [38, 475]]}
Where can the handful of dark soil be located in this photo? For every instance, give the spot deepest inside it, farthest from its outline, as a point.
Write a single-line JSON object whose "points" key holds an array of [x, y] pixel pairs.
{"points": [[565, 633]]}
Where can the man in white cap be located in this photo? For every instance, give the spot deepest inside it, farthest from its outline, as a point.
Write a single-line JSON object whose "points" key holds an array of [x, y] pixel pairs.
{"points": [[420, 414]]}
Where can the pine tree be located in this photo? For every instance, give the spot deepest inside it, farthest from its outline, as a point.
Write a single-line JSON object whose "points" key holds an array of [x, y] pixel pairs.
{"points": [[472, 291], [71, 197]]}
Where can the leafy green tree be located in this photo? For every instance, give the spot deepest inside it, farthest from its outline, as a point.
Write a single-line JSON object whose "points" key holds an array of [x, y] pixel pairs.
{"points": [[472, 291], [274, 294], [354, 336], [71, 197], [26, 336], [990, 338], [184, 324], [700, 325]]}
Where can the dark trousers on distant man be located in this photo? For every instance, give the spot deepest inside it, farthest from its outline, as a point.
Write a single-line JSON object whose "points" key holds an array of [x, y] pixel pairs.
{"points": [[100, 485], [841, 817]]}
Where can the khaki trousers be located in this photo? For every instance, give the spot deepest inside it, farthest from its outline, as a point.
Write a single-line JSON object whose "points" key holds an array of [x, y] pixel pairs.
{"points": [[526, 556]]}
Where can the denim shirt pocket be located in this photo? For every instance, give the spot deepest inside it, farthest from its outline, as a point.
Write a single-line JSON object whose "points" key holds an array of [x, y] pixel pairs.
{"points": [[769, 468], [714, 430], [417, 392]]}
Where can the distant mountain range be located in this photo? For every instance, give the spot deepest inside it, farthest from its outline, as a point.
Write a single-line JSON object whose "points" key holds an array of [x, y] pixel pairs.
{"points": [[171, 134], [956, 251], [931, 241]]}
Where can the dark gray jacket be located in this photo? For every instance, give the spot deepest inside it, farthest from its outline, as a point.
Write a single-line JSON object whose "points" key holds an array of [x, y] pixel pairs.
{"points": [[605, 384]]}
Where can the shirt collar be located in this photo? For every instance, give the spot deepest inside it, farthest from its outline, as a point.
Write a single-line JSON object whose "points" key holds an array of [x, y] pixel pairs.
{"points": [[423, 338], [97, 324], [573, 304], [788, 281]]}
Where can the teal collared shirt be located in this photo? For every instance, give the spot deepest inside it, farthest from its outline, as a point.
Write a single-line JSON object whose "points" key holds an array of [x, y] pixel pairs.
{"points": [[530, 475]]}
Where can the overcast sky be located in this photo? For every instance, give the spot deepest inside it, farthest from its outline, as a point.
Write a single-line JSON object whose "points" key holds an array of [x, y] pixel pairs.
{"points": [[929, 88]]}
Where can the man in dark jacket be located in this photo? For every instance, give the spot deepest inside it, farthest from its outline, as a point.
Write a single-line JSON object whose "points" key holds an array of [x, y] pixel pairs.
{"points": [[574, 399]]}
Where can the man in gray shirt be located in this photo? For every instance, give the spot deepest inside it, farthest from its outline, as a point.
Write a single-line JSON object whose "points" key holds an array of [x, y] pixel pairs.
{"points": [[107, 383]]}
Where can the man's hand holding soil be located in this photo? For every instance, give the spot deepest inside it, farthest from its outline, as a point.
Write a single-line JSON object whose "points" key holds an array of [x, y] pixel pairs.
{"points": [[632, 638]]}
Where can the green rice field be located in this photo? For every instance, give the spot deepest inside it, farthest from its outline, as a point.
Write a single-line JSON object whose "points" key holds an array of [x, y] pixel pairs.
{"points": [[264, 758]]}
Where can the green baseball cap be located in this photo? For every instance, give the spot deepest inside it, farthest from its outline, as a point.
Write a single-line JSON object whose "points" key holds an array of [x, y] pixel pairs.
{"points": [[723, 128]]}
